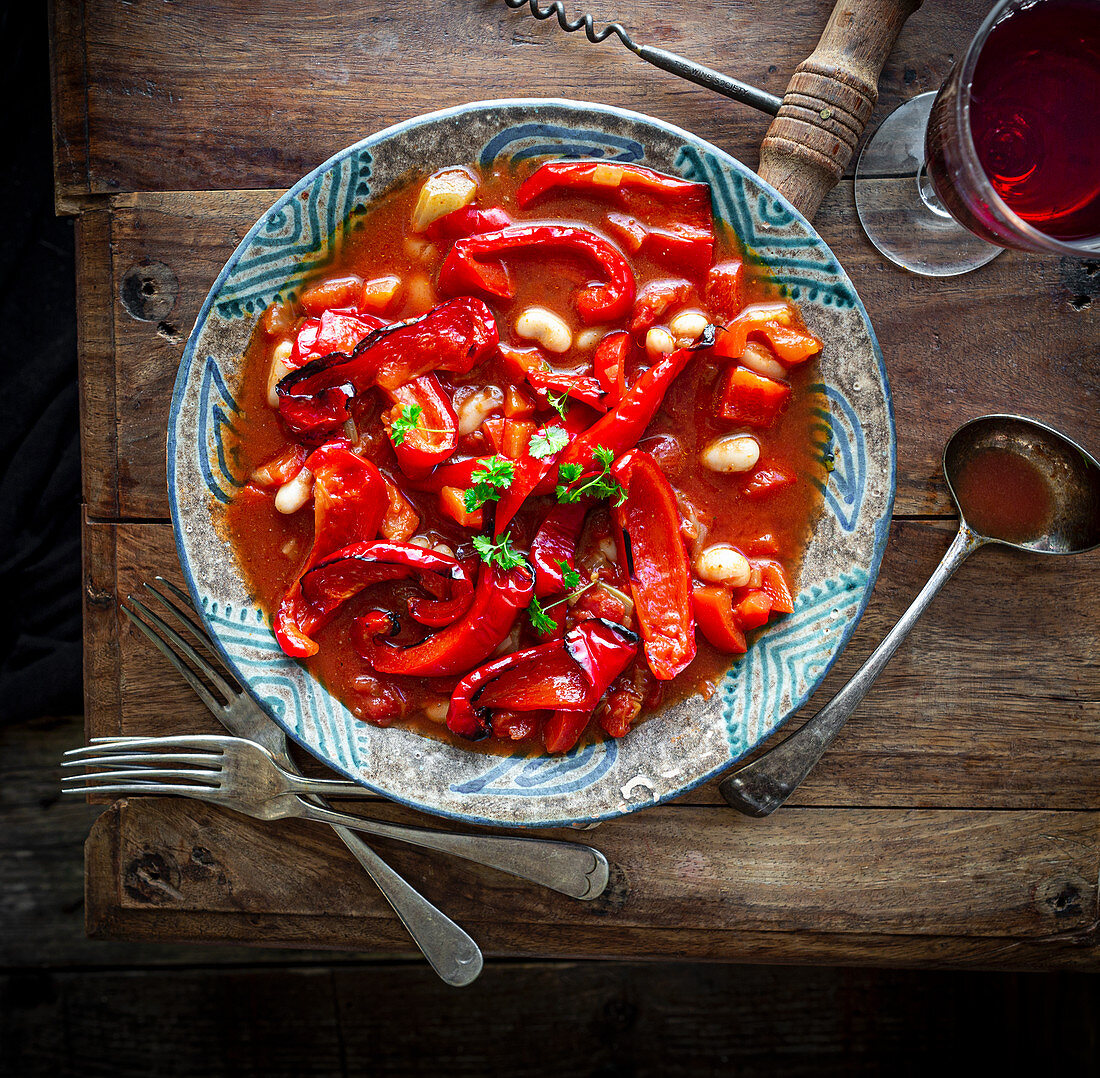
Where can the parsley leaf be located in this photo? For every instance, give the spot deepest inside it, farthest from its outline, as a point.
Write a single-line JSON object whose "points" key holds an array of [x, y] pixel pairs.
{"points": [[599, 486], [558, 401], [406, 420], [570, 577], [500, 553], [541, 622], [489, 481], [547, 442]]}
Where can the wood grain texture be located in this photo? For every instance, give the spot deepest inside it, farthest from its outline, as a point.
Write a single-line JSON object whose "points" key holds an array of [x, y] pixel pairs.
{"points": [[228, 94], [1022, 333], [69, 100], [677, 1021], [993, 702], [719, 886]]}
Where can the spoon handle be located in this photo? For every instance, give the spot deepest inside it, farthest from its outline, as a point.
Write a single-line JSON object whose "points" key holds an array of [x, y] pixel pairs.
{"points": [[759, 788]]}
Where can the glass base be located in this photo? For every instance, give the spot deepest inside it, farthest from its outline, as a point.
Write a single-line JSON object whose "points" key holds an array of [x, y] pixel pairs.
{"points": [[899, 209]]}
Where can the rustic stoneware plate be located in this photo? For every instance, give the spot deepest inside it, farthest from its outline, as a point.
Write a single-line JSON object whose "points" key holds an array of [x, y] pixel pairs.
{"points": [[685, 745]]}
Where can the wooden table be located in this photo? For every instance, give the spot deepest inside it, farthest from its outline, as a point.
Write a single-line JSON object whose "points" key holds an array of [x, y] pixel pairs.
{"points": [[956, 821]]}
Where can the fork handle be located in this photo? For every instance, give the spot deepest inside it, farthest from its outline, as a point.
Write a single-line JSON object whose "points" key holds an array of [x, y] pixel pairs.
{"points": [[567, 867], [448, 949]]}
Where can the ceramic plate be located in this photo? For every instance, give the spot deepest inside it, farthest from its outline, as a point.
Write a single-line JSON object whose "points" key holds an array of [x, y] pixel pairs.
{"points": [[686, 744]]}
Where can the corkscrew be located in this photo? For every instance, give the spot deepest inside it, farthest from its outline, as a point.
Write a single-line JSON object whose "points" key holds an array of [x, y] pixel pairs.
{"points": [[666, 61], [820, 119]]}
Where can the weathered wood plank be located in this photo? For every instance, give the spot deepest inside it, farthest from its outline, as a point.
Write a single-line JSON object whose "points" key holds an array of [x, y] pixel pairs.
{"points": [[994, 701], [1010, 338], [676, 1020], [68, 95], [96, 355], [943, 887], [230, 94], [42, 870]]}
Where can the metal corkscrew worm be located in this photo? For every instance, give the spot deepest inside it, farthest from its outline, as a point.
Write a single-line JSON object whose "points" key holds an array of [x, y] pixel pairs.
{"points": [[666, 61]]}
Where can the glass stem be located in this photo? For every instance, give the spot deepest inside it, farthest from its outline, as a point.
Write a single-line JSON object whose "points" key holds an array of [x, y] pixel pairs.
{"points": [[928, 192]]}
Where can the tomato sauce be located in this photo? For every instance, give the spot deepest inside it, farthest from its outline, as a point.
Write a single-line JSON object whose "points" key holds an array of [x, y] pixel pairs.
{"points": [[772, 523]]}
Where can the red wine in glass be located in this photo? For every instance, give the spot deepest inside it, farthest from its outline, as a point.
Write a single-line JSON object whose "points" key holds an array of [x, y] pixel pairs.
{"points": [[1034, 126], [1007, 154]]}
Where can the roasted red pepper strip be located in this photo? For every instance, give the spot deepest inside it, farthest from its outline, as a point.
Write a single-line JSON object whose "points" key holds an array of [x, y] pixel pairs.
{"points": [[653, 552], [582, 387], [467, 221], [608, 176], [437, 613], [462, 719], [609, 363], [778, 324], [455, 336], [349, 500], [621, 428], [334, 331], [498, 598], [555, 543], [562, 730], [747, 397], [345, 573], [569, 675], [713, 606], [435, 435], [474, 264], [528, 472]]}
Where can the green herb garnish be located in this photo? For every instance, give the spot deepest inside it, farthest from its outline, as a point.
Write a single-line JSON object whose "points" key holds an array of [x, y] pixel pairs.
{"points": [[547, 442], [599, 486], [558, 401], [406, 420], [500, 553], [489, 481]]}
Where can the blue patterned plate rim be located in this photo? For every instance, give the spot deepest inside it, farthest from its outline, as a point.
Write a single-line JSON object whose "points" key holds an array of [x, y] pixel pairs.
{"points": [[881, 525]]}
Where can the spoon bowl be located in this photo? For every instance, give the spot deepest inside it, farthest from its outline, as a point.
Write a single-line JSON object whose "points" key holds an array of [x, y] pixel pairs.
{"points": [[1070, 475], [1014, 481]]}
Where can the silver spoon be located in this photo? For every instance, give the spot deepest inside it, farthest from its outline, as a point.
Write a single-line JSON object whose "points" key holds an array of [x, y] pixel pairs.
{"points": [[1069, 523]]}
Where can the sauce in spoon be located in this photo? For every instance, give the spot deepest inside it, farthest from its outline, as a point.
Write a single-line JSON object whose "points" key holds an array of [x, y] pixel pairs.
{"points": [[1004, 495]]}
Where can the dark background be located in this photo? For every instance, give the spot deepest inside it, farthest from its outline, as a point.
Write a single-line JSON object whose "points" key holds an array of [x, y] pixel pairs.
{"points": [[69, 1006]]}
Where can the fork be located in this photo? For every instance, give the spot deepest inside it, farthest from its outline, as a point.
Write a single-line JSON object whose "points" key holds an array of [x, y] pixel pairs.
{"points": [[570, 868], [449, 950], [245, 777]]}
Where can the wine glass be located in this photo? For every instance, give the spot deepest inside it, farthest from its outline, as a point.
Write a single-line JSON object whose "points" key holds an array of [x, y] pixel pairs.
{"points": [[1007, 154]]}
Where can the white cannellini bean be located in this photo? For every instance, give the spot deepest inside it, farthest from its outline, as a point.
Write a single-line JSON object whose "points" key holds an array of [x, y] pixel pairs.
{"points": [[294, 493], [420, 295], [421, 541], [442, 548], [759, 359], [477, 407], [688, 324], [437, 712], [279, 370], [587, 339], [659, 342], [722, 563], [731, 453], [539, 324]]}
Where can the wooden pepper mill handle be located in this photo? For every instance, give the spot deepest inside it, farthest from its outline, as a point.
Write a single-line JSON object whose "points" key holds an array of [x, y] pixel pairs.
{"points": [[830, 99]]}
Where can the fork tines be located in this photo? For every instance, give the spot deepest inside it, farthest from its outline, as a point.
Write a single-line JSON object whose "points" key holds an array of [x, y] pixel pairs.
{"points": [[132, 765], [217, 677]]}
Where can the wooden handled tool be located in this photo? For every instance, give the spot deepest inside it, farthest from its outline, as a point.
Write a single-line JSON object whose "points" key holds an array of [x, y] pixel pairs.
{"points": [[829, 100], [820, 119]]}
